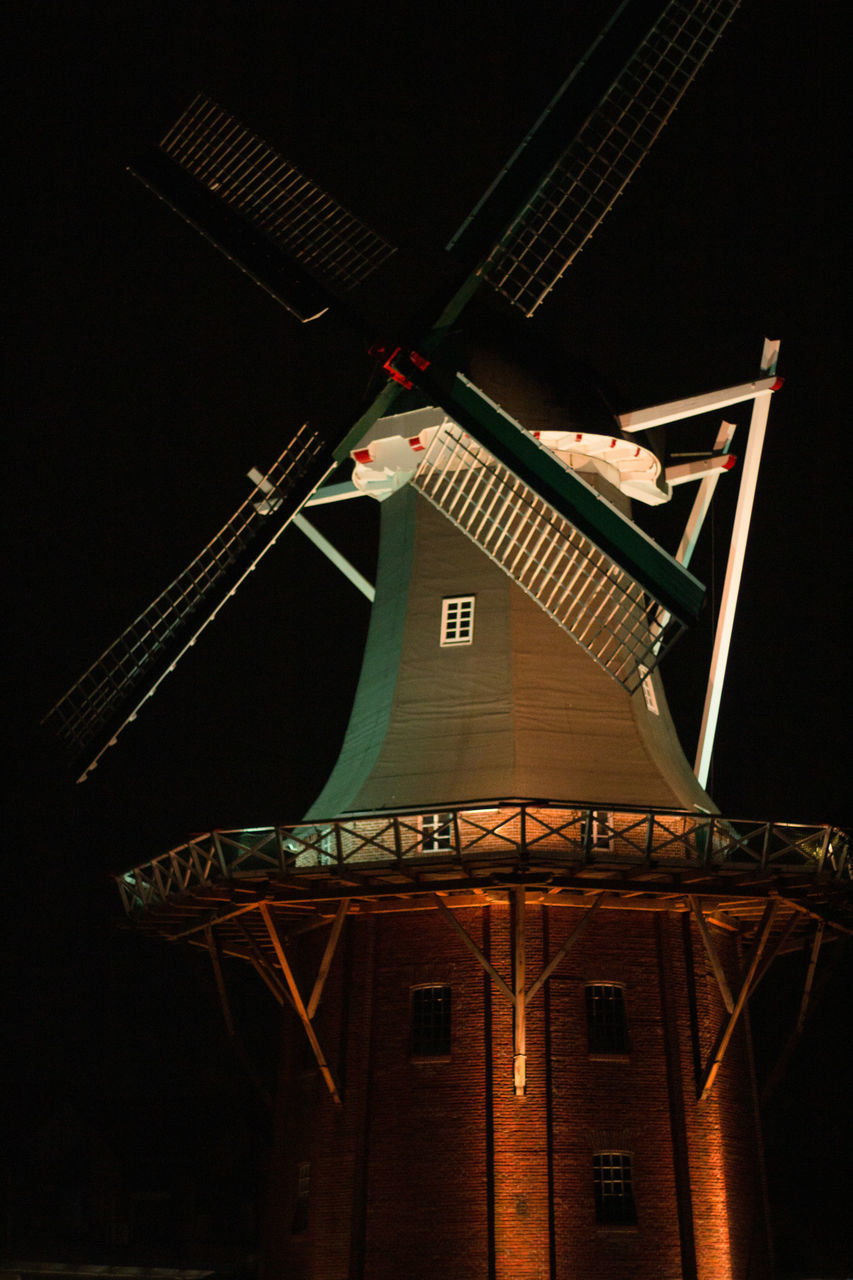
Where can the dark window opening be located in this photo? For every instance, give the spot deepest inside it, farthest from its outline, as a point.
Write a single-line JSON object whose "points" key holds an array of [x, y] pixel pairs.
{"points": [[431, 1022], [606, 1019], [303, 1195], [614, 1189]]}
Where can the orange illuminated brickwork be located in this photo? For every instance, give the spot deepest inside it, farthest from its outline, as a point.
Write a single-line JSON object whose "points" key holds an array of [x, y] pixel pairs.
{"points": [[434, 1167]]}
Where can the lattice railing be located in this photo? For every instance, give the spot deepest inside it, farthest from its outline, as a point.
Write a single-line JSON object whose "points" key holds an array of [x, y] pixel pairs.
{"points": [[490, 836]]}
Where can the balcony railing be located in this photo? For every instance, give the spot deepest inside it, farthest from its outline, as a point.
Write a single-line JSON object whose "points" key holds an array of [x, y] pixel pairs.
{"points": [[484, 838]]}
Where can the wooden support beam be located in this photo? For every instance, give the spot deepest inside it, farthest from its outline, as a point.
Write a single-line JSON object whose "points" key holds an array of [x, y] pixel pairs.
{"points": [[469, 942], [807, 986], [728, 1027], [211, 921], [302, 1012], [261, 965], [519, 975], [225, 1004], [219, 977], [781, 1065], [711, 952], [771, 956], [575, 935], [328, 957]]}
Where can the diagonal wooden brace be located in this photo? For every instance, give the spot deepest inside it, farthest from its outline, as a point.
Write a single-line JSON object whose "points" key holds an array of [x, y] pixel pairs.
{"points": [[711, 952], [575, 936], [807, 985], [469, 942], [298, 1004], [728, 1027], [328, 957], [263, 969]]}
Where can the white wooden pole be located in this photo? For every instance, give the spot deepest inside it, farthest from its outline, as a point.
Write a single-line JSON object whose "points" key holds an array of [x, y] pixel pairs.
{"points": [[734, 569], [659, 414]]}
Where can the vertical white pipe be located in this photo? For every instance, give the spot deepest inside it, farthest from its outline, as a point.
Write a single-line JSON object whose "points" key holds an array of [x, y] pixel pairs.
{"points": [[728, 605]]}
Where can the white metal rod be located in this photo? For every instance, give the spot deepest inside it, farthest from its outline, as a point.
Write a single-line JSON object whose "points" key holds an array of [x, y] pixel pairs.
{"points": [[332, 553], [702, 501], [334, 493], [658, 414], [734, 569]]}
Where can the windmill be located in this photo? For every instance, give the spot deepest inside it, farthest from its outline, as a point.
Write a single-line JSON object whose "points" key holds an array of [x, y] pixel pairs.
{"points": [[581, 560]]}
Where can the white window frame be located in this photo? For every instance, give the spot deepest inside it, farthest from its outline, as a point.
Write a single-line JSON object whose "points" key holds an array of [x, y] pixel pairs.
{"points": [[438, 834], [457, 621], [601, 831]]}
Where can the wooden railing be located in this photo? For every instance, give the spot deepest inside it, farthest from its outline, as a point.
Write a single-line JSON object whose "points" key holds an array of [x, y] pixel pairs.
{"points": [[489, 835]]}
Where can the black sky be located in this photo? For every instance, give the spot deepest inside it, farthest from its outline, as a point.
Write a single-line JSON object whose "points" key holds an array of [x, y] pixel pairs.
{"points": [[148, 376]]}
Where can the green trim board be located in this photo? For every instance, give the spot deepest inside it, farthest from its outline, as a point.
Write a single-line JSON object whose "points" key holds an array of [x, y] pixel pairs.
{"points": [[371, 712]]}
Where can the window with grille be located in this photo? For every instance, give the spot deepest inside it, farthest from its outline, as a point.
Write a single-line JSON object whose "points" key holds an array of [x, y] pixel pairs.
{"points": [[436, 832], [303, 1195], [606, 1019], [431, 1022], [457, 620], [614, 1188]]}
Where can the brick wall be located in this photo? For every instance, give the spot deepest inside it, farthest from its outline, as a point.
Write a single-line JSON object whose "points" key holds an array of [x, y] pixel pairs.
{"points": [[437, 1169]]}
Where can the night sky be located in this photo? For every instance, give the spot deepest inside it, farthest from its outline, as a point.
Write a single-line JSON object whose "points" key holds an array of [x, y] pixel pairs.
{"points": [[148, 375]]}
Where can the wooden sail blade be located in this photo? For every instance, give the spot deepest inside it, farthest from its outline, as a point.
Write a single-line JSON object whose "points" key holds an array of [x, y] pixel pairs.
{"points": [[586, 146], [272, 221], [107, 697]]}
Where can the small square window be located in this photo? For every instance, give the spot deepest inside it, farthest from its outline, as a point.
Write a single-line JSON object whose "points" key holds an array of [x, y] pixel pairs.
{"points": [[614, 1188], [436, 832], [606, 1019], [457, 620], [431, 1022]]}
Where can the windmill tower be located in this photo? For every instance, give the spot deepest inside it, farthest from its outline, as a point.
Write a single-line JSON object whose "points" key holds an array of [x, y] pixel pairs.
{"points": [[510, 924]]}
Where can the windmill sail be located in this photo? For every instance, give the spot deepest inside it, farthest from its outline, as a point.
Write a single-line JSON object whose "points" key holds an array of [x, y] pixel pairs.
{"points": [[308, 252], [276, 224], [552, 195], [108, 695]]}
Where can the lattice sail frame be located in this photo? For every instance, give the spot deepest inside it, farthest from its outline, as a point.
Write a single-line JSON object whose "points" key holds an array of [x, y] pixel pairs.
{"points": [[93, 701], [590, 597], [584, 184], [246, 174]]}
